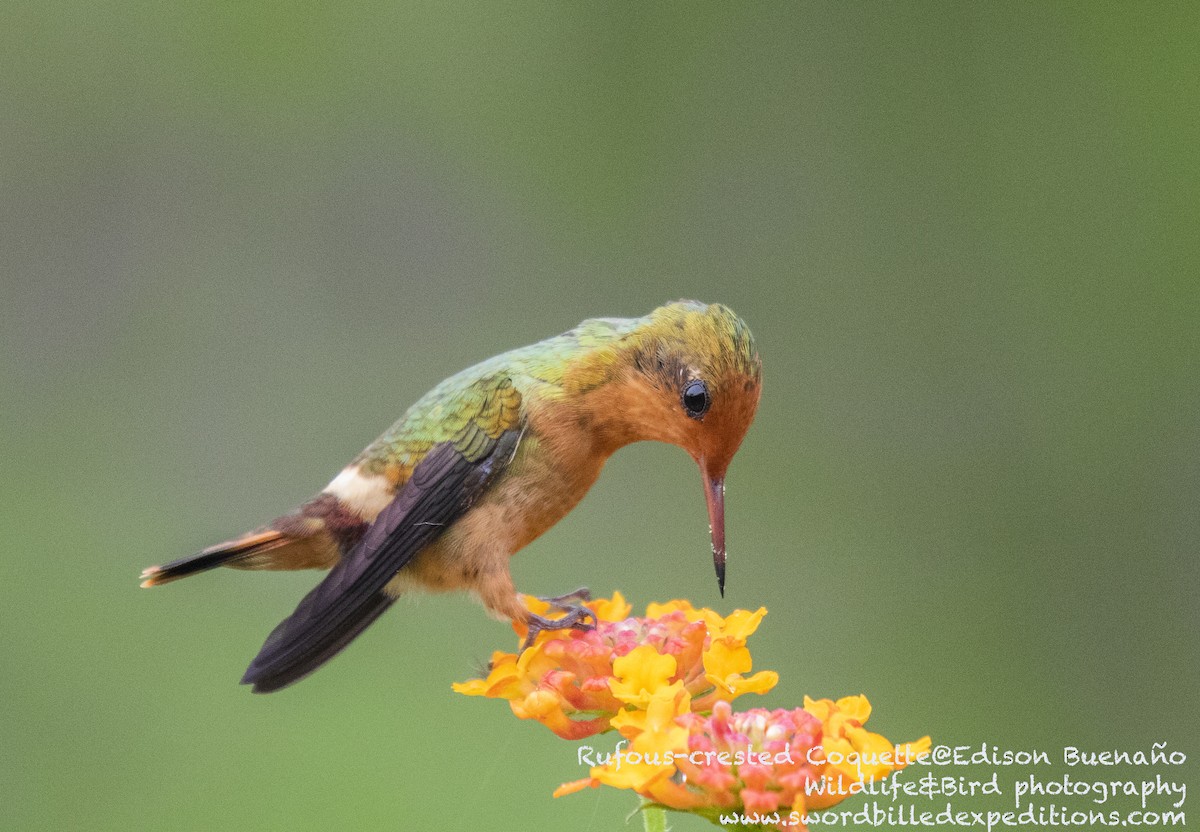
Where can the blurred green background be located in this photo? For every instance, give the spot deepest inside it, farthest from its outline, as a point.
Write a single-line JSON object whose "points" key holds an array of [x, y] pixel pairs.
{"points": [[239, 238]]}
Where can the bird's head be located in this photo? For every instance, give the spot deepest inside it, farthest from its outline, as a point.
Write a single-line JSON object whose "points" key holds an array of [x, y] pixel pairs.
{"points": [[688, 374]]}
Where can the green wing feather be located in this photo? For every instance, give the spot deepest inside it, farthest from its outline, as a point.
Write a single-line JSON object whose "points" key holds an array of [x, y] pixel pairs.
{"points": [[467, 410]]}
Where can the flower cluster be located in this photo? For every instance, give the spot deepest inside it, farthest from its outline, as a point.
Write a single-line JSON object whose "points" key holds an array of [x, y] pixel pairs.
{"points": [[767, 764], [665, 682], [577, 682]]}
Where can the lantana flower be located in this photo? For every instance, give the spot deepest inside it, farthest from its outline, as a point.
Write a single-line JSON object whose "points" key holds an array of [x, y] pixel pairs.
{"points": [[576, 682], [665, 681], [770, 765]]}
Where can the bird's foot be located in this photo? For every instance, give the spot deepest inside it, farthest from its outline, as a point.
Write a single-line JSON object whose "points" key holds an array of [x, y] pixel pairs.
{"points": [[569, 601], [576, 618]]}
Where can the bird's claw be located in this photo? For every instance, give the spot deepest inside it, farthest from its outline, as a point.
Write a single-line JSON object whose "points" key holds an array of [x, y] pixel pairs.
{"points": [[576, 618], [570, 601]]}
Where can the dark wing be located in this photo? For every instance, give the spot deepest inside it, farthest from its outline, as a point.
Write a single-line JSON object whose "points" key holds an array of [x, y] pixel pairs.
{"points": [[442, 487]]}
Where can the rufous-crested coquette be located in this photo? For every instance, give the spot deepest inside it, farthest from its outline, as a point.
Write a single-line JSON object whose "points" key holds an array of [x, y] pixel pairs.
{"points": [[488, 460]]}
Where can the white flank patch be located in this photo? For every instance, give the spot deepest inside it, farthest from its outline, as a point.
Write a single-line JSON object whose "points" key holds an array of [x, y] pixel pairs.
{"points": [[366, 494]]}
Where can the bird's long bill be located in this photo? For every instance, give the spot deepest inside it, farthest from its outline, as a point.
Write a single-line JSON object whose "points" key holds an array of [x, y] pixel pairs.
{"points": [[714, 496]]}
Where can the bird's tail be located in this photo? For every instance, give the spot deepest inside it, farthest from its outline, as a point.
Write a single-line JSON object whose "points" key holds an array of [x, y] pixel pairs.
{"points": [[230, 553]]}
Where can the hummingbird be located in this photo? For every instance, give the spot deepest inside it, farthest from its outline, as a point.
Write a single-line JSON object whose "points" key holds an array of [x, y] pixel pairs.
{"points": [[487, 461]]}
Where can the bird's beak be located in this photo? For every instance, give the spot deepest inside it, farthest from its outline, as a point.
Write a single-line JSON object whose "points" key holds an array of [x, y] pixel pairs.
{"points": [[714, 496]]}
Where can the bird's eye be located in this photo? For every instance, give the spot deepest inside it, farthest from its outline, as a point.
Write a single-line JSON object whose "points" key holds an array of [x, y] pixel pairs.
{"points": [[695, 399]]}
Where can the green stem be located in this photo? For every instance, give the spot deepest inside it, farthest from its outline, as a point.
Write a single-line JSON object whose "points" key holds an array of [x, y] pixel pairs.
{"points": [[655, 818]]}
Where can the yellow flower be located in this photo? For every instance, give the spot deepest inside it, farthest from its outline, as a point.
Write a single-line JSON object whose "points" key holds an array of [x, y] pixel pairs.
{"points": [[650, 756], [502, 679], [639, 674], [725, 662], [853, 755], [741, 624]]}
